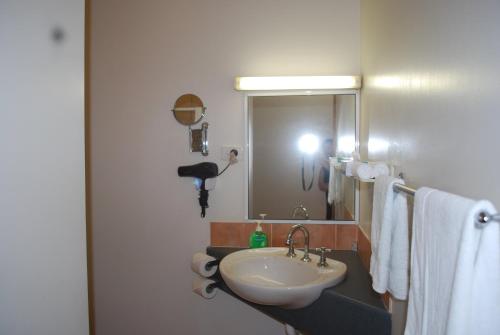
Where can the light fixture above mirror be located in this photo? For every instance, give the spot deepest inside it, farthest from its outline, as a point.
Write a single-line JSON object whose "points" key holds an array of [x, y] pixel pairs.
{"points": [[297, 83]]}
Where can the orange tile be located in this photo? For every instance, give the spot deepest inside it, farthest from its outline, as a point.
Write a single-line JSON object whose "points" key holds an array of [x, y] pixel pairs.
{"points": [[234, 234], [321, 235], [345, 236], [226, 234], [364, 249], [279, 232]]}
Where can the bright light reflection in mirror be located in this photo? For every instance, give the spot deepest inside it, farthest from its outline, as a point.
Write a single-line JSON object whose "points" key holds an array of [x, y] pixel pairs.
{"points": [[308, 143]]}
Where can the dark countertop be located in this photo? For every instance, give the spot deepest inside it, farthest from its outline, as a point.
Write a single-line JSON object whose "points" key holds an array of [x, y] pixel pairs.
{"points": [[350, 308]]}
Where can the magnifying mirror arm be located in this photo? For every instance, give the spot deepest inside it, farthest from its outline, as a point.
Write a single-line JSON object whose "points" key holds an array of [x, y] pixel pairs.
{"points": [[204, 138]]}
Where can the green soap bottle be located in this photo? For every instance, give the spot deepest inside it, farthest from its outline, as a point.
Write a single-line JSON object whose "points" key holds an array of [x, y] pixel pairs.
{"points": [[258, 239]]}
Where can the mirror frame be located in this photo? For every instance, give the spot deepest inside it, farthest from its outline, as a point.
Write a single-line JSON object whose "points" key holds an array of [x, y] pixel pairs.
{"points": [[248, 151], [192, 96]]}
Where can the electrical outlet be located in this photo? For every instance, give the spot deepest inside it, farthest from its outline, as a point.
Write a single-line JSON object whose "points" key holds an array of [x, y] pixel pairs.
{"points": [[226, 149]]}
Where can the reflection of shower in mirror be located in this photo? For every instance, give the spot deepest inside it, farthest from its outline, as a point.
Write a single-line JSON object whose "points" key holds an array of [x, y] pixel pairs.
{"points": [[308, 188]]}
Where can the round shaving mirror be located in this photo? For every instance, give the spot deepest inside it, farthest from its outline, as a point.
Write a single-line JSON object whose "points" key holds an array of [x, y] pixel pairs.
{"points": [[188, 109]]}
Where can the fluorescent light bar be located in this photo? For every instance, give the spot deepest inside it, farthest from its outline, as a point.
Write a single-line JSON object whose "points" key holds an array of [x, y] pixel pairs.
{"points": [[296, 83]]}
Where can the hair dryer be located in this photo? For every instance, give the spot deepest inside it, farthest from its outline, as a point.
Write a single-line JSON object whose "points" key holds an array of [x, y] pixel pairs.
{"points": [[201, 171]]}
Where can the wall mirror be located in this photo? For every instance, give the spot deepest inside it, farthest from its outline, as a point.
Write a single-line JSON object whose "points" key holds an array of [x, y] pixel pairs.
{"points": [[290, 138]]}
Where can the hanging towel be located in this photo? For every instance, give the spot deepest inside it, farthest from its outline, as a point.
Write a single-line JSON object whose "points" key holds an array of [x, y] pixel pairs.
{"points": [[389, 239], [333, 192], [475, 299], [455, 268]]}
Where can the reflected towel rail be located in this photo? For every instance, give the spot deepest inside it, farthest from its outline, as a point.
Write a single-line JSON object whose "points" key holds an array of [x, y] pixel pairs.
{"points": [[482, 219]]}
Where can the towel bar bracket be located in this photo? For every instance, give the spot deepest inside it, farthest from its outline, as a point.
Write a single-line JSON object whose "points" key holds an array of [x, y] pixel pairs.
{"points": [[482, 219]]}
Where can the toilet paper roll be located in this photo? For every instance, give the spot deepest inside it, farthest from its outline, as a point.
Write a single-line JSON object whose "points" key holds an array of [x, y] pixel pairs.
{"points": [[362, 170], [204, 287], [199, 265]]}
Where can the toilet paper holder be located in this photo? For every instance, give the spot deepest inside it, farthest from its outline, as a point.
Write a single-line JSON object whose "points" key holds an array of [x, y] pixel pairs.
{"points": [[211, 264], [212, 286]]}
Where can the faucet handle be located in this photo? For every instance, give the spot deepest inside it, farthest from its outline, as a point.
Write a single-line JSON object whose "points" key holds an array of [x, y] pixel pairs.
{"points": [[322, 250], [322, 257]]}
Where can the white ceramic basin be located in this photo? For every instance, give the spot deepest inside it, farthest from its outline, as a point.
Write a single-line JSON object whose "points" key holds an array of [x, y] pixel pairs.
{"points": [[266, 276]]}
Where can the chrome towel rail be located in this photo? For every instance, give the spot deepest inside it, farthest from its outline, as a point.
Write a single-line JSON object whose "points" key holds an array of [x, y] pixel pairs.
{"points": [[482, 219], [404, 188]]}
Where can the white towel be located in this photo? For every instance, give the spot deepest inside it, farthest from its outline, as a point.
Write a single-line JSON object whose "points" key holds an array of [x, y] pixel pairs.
{"points": [[389, 239], [332, 190], [455, 268], [475, 299]]}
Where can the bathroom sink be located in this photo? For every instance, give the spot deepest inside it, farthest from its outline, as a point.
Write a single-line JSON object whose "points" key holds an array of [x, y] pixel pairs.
{"points": [[266, 276]]}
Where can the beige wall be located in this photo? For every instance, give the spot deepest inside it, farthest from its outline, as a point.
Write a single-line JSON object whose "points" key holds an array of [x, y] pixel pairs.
{"points": [[146, 224], [431, 89]]}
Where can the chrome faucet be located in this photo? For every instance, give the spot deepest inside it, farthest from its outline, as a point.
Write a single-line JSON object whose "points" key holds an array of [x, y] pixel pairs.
{"points": [[303, 211], [290, 243]]}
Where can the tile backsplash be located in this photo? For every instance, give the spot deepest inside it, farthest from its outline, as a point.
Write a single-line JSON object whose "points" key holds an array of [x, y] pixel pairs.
{"points": [[236, 234]]}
